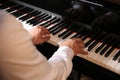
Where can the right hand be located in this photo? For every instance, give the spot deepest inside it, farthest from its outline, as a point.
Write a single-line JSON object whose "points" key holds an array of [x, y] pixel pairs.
{"points": [[77, 45]]}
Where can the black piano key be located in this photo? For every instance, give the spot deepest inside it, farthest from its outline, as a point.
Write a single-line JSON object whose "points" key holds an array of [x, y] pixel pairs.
{"points": [[52, 22], [78, 31], [78, 35], [45, 18], [81, 36], [43, 24], [67, 34], [58, 30], [36, 20], [68, 30], [84, 38], [37, 17], [15, 8], [63, 33], [29, 15], [56, 26], [81, 33], [39, 20], [6, 5], [88, 43], [48, 17], [22, 11], [17, 14], [92, 45], [104, 50], [99, 48], [74, 28], [74, 36], [107, 39], [94, 36], [112, 48], [101, 36], [27, 10], [109, 52], [106, 47], [116, 56]]}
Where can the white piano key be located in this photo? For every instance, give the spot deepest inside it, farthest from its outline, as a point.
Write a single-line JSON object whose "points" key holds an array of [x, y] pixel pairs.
{"points": [[117, 67], [86, 40], [51, 26], [111, 62], [97, 56], [61, 32], [114, 64], [108, 58], [102, 57], [70, 36], [45, 21], [27, 26], [92, 52]]}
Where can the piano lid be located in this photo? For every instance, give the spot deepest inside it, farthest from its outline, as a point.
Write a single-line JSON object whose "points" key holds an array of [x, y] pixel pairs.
{"points": [[111, 4], [56, 6]]}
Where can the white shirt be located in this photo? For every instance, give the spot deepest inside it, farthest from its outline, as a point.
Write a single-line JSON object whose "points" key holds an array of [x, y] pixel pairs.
{"points": [[20, 60]]}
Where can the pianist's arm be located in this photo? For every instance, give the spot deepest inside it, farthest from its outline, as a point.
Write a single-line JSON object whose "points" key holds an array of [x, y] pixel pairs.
{"points": [[20, 60]]}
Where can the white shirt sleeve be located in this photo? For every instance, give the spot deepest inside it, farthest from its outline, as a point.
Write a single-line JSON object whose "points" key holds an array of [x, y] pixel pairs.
{"points": [[20, 60]]}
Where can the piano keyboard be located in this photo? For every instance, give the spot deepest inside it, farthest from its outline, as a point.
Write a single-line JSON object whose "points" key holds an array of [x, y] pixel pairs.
{"points": [[103, 49]]}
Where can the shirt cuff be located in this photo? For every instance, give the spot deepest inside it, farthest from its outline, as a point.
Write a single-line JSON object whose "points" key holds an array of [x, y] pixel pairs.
{"points": [[66, 51]]}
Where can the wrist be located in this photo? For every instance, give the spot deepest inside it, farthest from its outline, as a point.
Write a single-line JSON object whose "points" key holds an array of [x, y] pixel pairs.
{"points": [[69, 51]]}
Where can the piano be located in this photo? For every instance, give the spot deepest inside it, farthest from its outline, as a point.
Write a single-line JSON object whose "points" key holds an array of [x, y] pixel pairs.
{"points": [[103, 61]]}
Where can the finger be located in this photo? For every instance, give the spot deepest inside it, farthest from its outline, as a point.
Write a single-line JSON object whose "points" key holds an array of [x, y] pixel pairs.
{"points": [[40, 26], [47, 32], [46, 38], [79, 40], [44, 32], [82, 51]]}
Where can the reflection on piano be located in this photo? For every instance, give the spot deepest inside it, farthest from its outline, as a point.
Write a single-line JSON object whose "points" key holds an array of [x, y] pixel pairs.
{"points": [[103, 48]]}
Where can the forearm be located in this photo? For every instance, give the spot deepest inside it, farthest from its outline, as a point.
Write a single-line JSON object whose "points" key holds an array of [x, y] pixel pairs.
{"points": [[61, 61]]}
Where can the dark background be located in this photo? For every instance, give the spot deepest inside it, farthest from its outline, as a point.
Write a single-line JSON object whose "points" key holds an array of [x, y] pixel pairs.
{"points": [[56, 6]]}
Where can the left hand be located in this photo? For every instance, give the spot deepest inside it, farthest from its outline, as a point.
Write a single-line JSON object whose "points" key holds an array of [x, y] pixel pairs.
{"points": [[39, 35]]}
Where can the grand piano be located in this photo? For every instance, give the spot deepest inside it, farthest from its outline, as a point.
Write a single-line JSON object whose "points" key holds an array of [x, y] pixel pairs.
{"points": [[103, 60]]}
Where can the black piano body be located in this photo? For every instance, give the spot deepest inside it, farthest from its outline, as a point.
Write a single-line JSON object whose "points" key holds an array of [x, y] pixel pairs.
{"points": [[104, 64]]}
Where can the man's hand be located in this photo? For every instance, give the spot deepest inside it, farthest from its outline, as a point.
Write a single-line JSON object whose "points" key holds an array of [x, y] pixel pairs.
{"points": [[39, 35], [77, 45]]}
